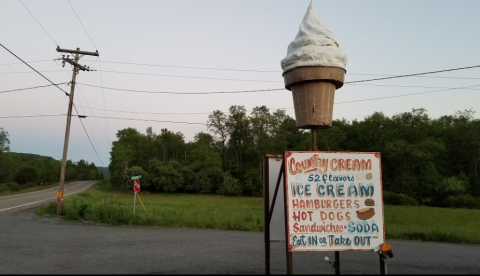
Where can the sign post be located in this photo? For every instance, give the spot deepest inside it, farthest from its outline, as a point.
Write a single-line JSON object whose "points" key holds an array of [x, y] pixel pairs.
{"points": [[136, 188]]}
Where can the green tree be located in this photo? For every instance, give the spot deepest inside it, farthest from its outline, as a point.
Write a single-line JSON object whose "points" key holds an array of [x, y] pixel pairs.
{"points": [[165, 177], [25, 175], [238, 129], [217, 123], [4, 147]]}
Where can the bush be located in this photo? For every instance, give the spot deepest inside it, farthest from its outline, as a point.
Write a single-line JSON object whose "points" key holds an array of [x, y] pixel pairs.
{"points": [[75, 210], [13, 186], [3, 188], [48, 209], [463, 201], [28, 185], [398, 199], [230, 186]]}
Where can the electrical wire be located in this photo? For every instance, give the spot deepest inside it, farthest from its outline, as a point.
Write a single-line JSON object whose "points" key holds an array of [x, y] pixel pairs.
{"points": [[58, 88], [82, 24], [35, 70], [153, 113], [33, 61], [409, 86], [28, 88], [421, 75], [31, 116], [189, 77], [354, 101], [88, 136], [412, 94], [29, 72], [148, 120], [88, 124], [56, 44], [417, 74], [184, 93], [192, 67], [430, 77], [86, 116]]}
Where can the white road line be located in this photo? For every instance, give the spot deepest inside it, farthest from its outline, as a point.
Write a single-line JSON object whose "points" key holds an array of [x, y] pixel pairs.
{"points": [[1, 210]]}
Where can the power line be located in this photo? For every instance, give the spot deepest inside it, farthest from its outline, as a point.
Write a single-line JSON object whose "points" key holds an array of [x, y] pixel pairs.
{"points": [[184, 93], [409, 86], [81, 94], [250, 91], [108, 140], [421, 75], [347, 82], [221, 92], [82, 24], [181, 76], [115, 118], [31, 116], [33, 61], [35, 70], [148, 120], [430, 77], [274, 71], [28, 72], [354, 101], [153, 113], [271, 71], [79, 118], [192, 67], [411, 94], [361, 100], [417, 74], [28, 88], [56, 44]]}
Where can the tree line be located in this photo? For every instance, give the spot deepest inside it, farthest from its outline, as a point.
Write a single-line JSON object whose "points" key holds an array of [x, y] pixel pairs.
{"points": [[425, 161], [22, 170]]}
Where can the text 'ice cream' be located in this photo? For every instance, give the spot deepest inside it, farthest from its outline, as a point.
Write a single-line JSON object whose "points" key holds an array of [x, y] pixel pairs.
{"points": [[314, 45]]}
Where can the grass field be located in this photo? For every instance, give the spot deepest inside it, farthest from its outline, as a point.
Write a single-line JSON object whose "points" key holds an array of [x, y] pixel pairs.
{"points": [[246, 214]]}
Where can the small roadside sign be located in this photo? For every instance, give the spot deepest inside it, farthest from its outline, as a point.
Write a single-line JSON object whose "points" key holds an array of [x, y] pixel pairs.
{"points": [[59, 194], [136, 185], [136, 177]]}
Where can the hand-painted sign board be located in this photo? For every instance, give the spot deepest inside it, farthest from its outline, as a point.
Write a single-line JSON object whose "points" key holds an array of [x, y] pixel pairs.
{"points": [[334, 201]]}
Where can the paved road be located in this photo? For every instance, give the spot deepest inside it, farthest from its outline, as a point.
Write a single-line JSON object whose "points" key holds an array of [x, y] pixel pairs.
{"points": [[39, 245], [24, 201]]}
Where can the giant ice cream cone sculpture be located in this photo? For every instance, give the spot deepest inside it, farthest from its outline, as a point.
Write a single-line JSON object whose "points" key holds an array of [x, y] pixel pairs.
{"points": [[313, 69]]}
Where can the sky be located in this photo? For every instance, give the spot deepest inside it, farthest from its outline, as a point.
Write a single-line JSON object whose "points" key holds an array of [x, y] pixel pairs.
{"points": [[198, 46]]}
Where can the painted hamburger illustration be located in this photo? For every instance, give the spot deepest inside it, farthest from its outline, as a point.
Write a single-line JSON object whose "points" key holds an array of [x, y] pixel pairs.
{"points": [[369, 202]]}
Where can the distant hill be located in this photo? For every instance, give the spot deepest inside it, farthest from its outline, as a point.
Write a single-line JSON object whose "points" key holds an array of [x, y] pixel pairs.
{"points": [[30, 156], [104, 170]]}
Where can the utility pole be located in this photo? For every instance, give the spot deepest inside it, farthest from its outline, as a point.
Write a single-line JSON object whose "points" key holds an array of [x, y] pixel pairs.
{"points": [[76, 68]]}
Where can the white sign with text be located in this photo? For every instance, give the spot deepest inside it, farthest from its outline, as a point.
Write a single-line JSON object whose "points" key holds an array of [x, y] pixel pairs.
{"points": [[334, 201]]}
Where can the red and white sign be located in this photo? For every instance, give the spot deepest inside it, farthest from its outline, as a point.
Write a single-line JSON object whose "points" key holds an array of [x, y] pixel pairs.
{"points": [[136, 185]]}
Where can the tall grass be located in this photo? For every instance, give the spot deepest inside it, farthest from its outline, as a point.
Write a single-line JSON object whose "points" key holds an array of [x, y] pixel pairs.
{"points": [[432, 224], [167, 210], [246, 214]]}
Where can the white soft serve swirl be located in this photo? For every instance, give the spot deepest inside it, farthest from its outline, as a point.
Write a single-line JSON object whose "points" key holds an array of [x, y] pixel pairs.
{"points": [[314, 45]]}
